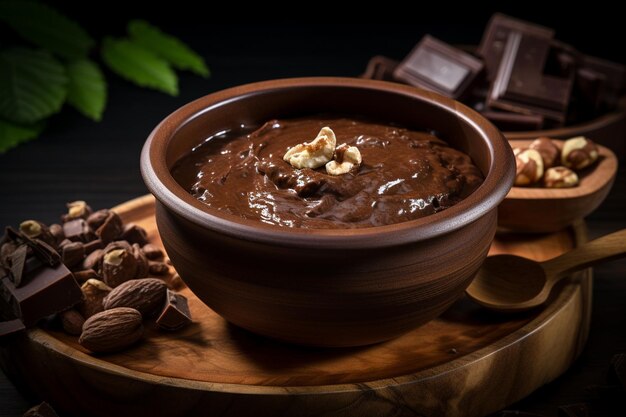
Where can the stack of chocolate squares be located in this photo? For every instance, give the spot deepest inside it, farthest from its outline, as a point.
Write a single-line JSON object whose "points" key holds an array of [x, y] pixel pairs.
{"points": [[520, 77]]}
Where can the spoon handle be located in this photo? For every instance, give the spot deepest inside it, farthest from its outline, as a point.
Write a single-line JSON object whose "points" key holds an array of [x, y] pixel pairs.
{"points": [[605, 248]]}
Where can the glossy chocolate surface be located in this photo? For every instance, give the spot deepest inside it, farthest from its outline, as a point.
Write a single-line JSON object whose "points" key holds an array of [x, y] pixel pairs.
{"points": [[405, 175]]}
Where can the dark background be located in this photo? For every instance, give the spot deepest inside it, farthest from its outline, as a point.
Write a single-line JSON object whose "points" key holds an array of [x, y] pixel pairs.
{"points": [[99, 162]]}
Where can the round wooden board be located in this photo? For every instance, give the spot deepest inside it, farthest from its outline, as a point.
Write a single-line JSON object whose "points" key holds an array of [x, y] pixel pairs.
{"points": [[468, 362]]}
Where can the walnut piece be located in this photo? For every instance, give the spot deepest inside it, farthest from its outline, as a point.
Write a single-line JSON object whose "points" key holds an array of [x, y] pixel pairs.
{"points": [[313, 154], [346, 158]]}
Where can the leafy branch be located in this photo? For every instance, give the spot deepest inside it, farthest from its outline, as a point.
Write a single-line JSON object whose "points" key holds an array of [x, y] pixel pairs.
{"points": [[36, 82]]}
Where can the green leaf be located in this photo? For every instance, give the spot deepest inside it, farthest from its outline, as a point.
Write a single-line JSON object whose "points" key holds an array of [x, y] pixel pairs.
{"points": [[33, 85], [87, 90], [139, 65], [46, 27], [167, 47], [12, 134]]}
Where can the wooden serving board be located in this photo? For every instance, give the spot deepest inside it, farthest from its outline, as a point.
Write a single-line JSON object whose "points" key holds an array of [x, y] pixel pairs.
{"points": [[468, 362]]}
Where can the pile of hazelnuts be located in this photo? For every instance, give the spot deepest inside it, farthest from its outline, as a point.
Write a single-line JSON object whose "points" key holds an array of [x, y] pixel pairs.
{"points": [[544, 163]]}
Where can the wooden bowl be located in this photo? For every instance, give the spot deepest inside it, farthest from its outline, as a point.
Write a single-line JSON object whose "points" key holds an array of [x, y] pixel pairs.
{"points": [[539, 210], [326, 287]]}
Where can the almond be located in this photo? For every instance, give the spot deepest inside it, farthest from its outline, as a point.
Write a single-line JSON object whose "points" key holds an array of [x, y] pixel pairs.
{"points": [[112, 330], [72, 321], [145, 295]]}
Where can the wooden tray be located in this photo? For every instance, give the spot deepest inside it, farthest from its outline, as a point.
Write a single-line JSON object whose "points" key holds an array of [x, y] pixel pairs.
{"points": [[559, 207], [468, 362]]}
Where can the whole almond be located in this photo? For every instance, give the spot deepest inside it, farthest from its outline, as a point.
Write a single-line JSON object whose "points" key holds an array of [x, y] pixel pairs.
{"points": [[112, 330], [94, 292], [145, 295], [72, 321]]}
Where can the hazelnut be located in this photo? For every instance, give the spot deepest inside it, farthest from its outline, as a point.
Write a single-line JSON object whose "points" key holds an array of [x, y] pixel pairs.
{"points": [[94, 292], [550, 153], [143, 267], [118, 266], [76, 210], [346, 158], [37, 230], [529, 167], [560, 177], [313, 154], [579, 153]]}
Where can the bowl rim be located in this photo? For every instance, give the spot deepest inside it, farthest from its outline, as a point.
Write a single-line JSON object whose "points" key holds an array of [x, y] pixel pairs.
{"points": [[172, 195]]}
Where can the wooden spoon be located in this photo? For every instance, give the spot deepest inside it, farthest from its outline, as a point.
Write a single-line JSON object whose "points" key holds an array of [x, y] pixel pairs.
{"points": [[511, 283]]}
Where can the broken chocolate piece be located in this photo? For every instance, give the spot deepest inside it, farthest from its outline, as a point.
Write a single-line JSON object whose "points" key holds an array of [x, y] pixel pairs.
{"points": [[495, 38], [437, 66], [514, 121], [42, 410], [78, 231], [45, 291], [111, 229], [520, 84], [10, 327], [175, 314], [380, 68], [135, 234]]}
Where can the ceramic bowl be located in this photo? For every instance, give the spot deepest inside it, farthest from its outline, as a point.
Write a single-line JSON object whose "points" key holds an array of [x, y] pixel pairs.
{"points": [[340, 287]]}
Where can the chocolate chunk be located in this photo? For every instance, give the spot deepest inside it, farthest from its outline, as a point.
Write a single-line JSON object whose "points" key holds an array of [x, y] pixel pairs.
{"points": [[41, 410], [158, 268], [17, 263], [152, 251], [45, 291], [93, 260], [380, 68], [78, 231], [57, 231], [175, 314], [96, 219], [10, 327], [495, 38], [72, 254], [615, 74], [111, 229], [135, 234], [521, 86], [514, 121], [437, 66]]}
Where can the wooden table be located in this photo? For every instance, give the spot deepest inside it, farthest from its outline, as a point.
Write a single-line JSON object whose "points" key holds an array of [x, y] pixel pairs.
{"points": [[79, 159]]}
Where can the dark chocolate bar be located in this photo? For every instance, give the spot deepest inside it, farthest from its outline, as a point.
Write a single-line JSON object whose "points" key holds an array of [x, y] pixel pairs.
{"points": [[175, 314], [45, 291], [514, 121], [437, 66], [495, 38], [380, 68], [521, 86], [11, 326]]}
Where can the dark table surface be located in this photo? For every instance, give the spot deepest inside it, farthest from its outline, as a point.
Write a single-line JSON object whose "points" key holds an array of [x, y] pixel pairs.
{"points": [[99, 162]]}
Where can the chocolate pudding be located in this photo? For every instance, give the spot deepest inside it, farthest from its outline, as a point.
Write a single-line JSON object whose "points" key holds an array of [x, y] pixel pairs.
{"points": [[404, 175]]}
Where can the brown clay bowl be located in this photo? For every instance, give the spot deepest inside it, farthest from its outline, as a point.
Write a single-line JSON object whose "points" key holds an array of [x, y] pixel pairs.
{"points": [[542, 210], [326, 287]]}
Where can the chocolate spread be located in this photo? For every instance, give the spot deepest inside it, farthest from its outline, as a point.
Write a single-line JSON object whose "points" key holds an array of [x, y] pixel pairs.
{"points": [[404, 175]]}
